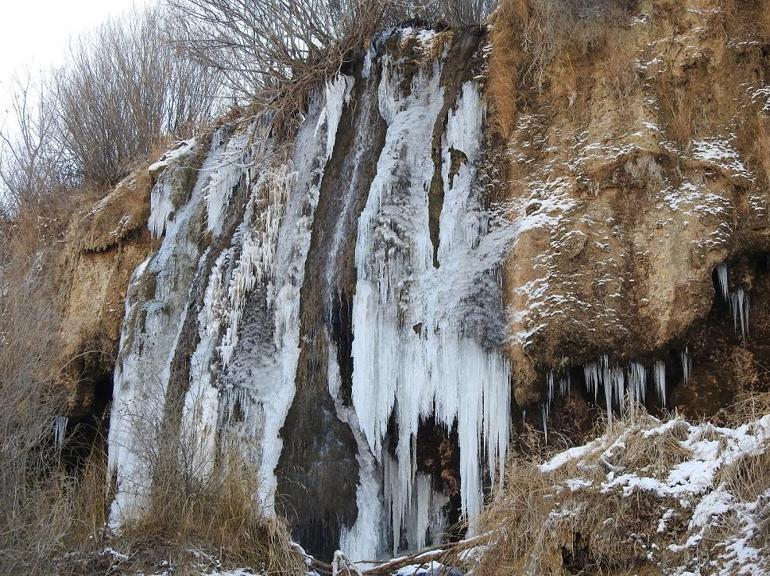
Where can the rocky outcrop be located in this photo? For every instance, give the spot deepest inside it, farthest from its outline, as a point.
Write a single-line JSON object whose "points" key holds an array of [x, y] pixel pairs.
{"points": [[371, 307], [102, 247], [637, 170]]}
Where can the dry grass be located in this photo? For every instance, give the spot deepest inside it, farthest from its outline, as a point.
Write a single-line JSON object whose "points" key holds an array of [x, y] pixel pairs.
{"points": [[748, 406], [535, 41], [544, 523], [617, 63], [679, 111], [753, 139], [748, 477], [32, 516], [218, 513], [505, 62]]}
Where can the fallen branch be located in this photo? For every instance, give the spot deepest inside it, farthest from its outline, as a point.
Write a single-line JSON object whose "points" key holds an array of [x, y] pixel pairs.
{"points": [[426, 555], [342, 567]]}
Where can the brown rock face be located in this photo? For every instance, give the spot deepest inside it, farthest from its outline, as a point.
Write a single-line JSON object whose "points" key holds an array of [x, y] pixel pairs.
{"points": [[102, 248], [637, 169]]}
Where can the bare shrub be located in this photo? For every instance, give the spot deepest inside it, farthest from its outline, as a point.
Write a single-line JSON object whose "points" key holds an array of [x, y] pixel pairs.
{"points": [[276, 51], [122, 88], [271, 48], [33, 517]]}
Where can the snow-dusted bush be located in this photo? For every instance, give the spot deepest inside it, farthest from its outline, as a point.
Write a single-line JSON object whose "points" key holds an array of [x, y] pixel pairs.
{"points": [[666, 496]]}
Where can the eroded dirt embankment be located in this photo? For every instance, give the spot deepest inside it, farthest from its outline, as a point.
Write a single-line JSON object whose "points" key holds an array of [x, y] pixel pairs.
{"points": [[638, 166]]}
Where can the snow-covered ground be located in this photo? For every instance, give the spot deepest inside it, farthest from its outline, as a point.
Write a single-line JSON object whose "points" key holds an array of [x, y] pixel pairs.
{"points": [[687, 499]]}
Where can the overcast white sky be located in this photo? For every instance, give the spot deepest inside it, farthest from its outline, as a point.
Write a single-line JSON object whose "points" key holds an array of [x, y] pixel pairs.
{"points": [[34, 34]]}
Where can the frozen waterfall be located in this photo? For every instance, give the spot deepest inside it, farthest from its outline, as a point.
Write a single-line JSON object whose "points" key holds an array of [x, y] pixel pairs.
{"points": [[227, 322]]}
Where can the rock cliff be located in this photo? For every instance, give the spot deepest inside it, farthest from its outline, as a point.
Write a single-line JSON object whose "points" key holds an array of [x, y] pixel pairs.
{"points": [[462, 238]]}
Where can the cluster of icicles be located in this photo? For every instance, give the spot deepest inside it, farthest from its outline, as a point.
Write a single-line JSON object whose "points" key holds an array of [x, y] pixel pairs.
{"points": [[415, 358], [248, 324], [621, 386], [738, 302], [625, 386]]}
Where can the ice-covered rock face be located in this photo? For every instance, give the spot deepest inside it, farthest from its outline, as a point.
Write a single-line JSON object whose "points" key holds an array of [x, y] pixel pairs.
{"points": [[334, 311], [360, 310]]}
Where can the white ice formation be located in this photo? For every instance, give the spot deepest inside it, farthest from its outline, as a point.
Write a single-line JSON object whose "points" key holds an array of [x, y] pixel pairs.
{"points": [[213, 319]]}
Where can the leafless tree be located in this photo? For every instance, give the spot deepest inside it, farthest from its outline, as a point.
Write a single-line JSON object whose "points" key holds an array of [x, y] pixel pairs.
{"points": [[123, 86], [31, 165], [271, 50], [264, 47]]}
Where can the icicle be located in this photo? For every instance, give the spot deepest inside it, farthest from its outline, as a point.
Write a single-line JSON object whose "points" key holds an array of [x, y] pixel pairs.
{"points": [[593, 372], [437, 370], [722, 276], [337, 93], [659, 374], [637, 383], [164, 193], [739, 306], [618, 377], [152, 329], [550, 389], [544, 415], [225, 178], [256, 265], [738, 302], [686, 364], [59, 431]]}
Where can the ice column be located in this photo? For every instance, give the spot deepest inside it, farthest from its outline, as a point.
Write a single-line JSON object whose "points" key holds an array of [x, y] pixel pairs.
{"points": [[409, 344], [659, 375]]}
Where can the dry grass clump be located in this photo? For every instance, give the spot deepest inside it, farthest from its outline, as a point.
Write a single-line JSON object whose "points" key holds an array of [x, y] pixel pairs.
{"points": [[529, 36], [678, 110], [523, 536], [575, 518], [753, 138], [217, 512], [653, 454], [619, 71], [748, 477], [506, 62]]}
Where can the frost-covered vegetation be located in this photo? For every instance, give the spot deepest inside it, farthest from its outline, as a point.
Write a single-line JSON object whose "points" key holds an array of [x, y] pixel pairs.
{"points": [[670, 496]]}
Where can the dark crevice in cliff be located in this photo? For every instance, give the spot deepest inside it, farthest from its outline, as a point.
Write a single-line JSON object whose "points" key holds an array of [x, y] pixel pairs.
{"points": [[460, 65], [318, 468], [725, 364], [722, 364]]}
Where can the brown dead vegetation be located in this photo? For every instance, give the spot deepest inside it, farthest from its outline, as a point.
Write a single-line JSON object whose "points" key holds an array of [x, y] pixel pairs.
{"points": [[218, 513], [544, 526]]}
